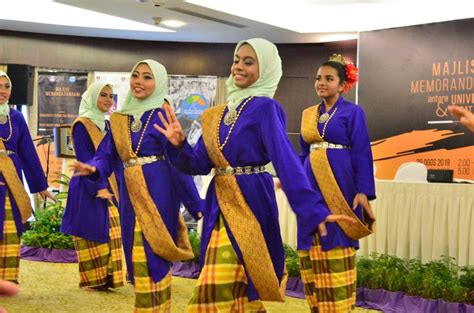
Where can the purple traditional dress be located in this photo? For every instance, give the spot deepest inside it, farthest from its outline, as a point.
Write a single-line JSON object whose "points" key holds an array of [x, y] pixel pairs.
{"points": [[166, 187], [151, 190], [94, 222], [241, 245], [337, 158], [17, 156], [246, 208]]}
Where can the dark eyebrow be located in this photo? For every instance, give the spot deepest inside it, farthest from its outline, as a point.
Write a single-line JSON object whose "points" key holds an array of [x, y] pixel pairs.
{"points": [[136, 72], [245, 57]]}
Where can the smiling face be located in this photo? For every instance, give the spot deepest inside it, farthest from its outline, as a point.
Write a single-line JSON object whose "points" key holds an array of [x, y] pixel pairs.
{"points": [[328, 84], [142, 82], [5, 89], [105, 99], [245, 69]]}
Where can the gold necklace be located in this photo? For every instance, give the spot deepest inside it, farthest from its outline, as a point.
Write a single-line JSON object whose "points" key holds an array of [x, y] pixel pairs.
{"points": [[329, 117], [234, 120], [133, 154], [11, 131]]}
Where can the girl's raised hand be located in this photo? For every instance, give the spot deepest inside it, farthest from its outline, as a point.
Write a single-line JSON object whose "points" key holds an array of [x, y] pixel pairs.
{"points": [[171, 129]]}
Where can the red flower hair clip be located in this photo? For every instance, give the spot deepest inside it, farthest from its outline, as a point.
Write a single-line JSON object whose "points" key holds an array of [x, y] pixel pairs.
{"points": [[352, 72]]}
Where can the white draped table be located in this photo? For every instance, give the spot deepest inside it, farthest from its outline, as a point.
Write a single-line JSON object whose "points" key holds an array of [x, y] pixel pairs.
{"points": [[424, 220]]}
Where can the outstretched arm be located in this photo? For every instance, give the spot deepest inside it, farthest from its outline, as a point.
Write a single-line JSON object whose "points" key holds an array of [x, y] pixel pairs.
{"points": [[465, 116]]}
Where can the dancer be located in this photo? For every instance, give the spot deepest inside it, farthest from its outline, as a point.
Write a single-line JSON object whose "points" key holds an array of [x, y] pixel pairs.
{"points": [[17, 155], [335, 149], [93, 220], [241, 241], [153, 231]]}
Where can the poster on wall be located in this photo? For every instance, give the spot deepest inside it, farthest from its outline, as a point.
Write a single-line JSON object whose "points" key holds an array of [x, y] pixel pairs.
{"points": [[59, 96], [120, 85], [408, 77], [191, 95]]}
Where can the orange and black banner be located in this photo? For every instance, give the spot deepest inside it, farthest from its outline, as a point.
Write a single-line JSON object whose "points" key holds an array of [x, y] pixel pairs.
{"points": [[408, 77]]}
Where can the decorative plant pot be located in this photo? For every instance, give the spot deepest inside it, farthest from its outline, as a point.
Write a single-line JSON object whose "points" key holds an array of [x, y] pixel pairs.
{"points": [[295, 288], [48, 255], [390, 301], [186, 269]]}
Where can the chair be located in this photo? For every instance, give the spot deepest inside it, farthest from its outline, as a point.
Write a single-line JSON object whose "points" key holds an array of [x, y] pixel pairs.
{"points": [[412, 171]]}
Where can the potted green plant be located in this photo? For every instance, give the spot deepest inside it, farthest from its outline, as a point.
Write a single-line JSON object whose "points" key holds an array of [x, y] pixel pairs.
{"points": [[44, 241], [389, 282]]}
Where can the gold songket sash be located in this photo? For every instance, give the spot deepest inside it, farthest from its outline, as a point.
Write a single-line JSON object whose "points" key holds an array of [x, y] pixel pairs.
{"points": [[327, 182], [8, 170], [151, 222], [240, 218], [96, 137]]}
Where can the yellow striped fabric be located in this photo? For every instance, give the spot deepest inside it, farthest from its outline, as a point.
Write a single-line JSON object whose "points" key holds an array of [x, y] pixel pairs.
{"points": [[100, 264], [222, 284], [9, 246], [150, 297], [329, 278]]}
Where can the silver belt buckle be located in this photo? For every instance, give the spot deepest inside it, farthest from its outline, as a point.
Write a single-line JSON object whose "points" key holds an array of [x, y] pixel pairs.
{"points": [[6, 152], [143, 160], [240, 170]]}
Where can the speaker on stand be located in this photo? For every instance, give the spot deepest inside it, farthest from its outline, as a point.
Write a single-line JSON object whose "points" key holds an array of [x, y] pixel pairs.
{"points": [[22, 77]]}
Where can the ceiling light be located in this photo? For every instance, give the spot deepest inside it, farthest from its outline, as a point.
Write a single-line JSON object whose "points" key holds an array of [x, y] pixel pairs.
{"points": [[318, 16], [172, 23], [48, 12]]}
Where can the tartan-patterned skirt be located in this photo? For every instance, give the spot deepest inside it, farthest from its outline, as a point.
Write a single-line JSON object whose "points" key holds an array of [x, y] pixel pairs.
{"points": [[149, 296], [329, 278], [9, 246], [100, 264], [222, 284]]}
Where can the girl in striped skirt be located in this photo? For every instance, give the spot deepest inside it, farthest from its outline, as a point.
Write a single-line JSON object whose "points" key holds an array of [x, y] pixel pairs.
{"points": [[151, 189], [17, 155], [337, 158], [241, 242], [91, 213]]}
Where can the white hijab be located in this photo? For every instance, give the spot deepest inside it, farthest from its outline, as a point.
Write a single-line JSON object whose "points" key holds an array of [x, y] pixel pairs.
{"points": [[4, 107]]}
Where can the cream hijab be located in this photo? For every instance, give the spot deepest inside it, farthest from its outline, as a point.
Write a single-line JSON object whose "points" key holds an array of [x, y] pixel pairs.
{"points": [[88, 107], [137, 107], [270, 72], [4, 107]]}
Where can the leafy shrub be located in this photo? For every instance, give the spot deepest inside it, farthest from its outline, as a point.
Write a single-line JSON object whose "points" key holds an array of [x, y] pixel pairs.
{"points": [[196, 245], [44, 232], [438, 279], [291, 261]]}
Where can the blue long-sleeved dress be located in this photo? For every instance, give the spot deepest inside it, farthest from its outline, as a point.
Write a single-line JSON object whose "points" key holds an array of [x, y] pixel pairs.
{"points": [[26, 161], [259, 136], [85, 215], [167, 187], [352, 168]]}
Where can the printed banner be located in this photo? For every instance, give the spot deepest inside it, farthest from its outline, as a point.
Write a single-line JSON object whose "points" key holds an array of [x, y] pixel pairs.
{"points": [[191, 96], [408, 77], [59, 96]]}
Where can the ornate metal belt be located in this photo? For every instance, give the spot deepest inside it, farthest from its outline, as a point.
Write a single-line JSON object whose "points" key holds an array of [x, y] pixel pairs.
{"points": [[327, 145], [143, 160], [7, 152], [240, 170]]}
